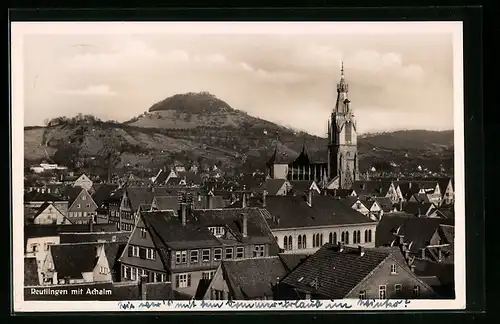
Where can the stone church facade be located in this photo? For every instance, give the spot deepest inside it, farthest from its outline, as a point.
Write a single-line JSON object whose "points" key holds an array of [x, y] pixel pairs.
{"points": [[341, 169]]}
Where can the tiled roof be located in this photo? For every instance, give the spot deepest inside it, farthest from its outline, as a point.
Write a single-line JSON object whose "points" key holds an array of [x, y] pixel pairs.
{"points": [[432, 281], [217, 202], [293, 260], [371, 188], [162, 177], [448, 232], [30, 213], [444, 272], [32, 230], [202, 288], [421, 198], [30, 272], [139, 196], [167, 203], [102, 192], [190, 177], [255, 277], [168, 230], [301, 186], [281, 155], [34, 196], [71, 193], [416, 208], [333, 274], [70, 260], [385, 203], [272, 186], [293, 211], [418, 230]]}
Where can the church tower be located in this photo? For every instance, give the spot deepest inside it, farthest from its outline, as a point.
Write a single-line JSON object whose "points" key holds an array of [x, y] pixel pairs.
{"points": [[342, 139]]}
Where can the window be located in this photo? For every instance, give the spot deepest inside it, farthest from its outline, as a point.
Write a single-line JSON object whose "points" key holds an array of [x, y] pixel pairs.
{"points": [[84, 197], [346, 237], [416, 291], [134, 274], [103, 270], [217, 254], [150, 254], [47, 245], [393, 269], [181, 257], [207, 275], [348, 132], [285, 242], [354, 237], [290, 245], [369, 235], [88, 205], [366, 235], [258, 251], [342, 237], [334, 238], [205, 255], [299, 242], [330, 237], [304, 241], [398, 288], [193, 256], [381, 292], [362, 294], [126, 272], [77, 205], [183, 280], [239, 252], [135, 251], [228, 253]]}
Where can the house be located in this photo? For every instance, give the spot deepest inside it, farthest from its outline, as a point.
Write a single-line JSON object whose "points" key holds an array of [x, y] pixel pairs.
{"points": [[185, 178], [80, 262], [113, 203], [187, 248], [82, 209], [446, 188], [132, 198], [35, 199], [418, 209], [83, 182], [365, 274], [342, 193], [386, 204], [47, 213], [367, 207], [276, 187], [246, 279], [369, 189], [89, 237], [303, 224], [413, 232], [165, 203], [303, 186], [419, 198], [429, 188], [163, 176]]}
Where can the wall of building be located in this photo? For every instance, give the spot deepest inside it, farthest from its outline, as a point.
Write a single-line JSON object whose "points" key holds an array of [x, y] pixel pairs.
{"points": [[50, 215], [102, 261], [309, 232], [43, 248], [280, 171], [83, 182], [383, 276]]}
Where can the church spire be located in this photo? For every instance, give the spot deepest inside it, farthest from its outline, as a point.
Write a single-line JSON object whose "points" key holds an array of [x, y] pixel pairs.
{"points": [[342, 88]]}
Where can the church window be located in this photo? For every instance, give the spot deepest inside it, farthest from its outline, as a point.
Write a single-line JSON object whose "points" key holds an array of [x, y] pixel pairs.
{"points": [[299, 242], [348, 132], [285, 242], [304, 242], [290, 245]]}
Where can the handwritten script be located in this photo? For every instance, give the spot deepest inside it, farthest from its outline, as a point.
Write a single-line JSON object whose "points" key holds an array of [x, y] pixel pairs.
{"points": [[169, 305]]}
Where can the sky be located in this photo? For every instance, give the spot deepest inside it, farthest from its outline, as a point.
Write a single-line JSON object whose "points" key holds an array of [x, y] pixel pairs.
{"points": [[397, 80]]}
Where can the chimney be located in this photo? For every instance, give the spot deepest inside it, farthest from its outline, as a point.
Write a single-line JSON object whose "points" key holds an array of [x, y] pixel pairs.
{"points": [[440, 254], [422, 253], [400, 204], [309, 197], [264, 196], [183, 213], [341, 246], [245, 225], [244, 201], [401, 239], [412, 267], [142, 287], [407, 255], [361, 250]]}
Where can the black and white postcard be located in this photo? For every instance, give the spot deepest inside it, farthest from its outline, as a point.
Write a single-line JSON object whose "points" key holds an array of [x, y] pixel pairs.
{"points": [[237, 166]]}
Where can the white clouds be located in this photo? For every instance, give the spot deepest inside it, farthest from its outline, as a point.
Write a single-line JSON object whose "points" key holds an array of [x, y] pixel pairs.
{"points": [[273, 76], [92, 90], [175, 56], [315, 55]]}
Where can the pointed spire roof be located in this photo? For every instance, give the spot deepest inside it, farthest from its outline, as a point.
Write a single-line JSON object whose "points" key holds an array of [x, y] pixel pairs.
{"points": [[304, 157], [280, 154]]}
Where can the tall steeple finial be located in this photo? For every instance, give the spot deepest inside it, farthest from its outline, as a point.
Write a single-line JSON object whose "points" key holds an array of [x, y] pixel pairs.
{"points": [[342, 68]]}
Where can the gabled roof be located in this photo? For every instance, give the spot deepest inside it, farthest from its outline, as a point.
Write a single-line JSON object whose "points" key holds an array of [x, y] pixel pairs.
{"points": [[71, 193], [88, 237], [385, 203], [70, 260], [416, 208], [448, 232], [281, 155], [167, 203], [138, 196], [253, 278], [301, 185], [272, 186], [30, 272], [371, 188], [293, 211], [102, 192], [303, 158], [174, 181], [162, 177], [421, 198], [418, 230], [333, 274], [293, 260], [167, 230]]}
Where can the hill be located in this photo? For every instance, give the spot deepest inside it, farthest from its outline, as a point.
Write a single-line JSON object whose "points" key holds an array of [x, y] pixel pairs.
{"points": [[200, 128]]}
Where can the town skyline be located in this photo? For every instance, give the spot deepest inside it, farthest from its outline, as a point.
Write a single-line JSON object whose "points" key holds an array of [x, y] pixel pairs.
{"points": [[395, 81]]}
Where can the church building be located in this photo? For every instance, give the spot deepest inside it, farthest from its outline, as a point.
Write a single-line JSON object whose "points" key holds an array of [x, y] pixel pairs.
{"points": [[341, 169]]}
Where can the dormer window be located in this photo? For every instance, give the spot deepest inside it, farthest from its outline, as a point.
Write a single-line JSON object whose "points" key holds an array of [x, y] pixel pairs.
{"points": [[217, 231]]}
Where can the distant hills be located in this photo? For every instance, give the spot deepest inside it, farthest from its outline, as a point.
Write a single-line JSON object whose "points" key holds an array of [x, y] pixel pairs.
{"points": [[200, 128]]}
